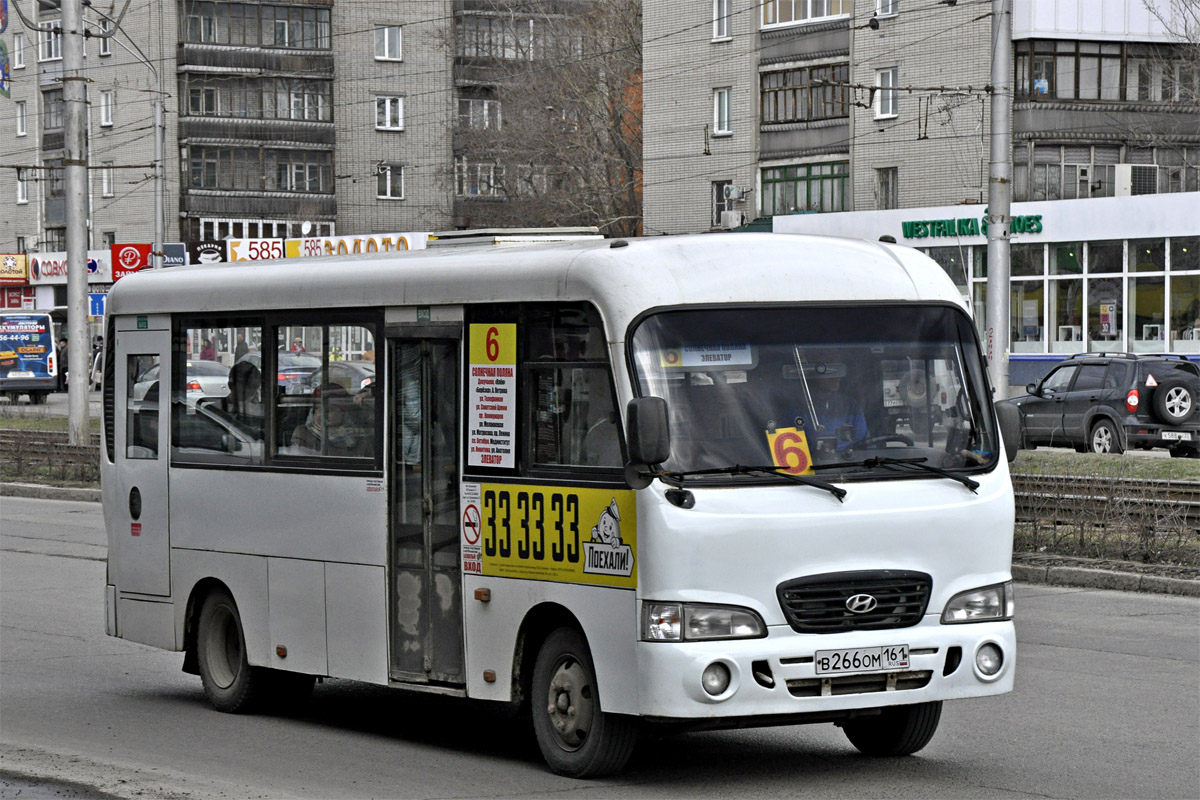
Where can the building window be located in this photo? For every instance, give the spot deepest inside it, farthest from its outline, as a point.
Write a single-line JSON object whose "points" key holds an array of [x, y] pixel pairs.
{"points": [[22, 185], [18, 51], [722, 119], [1093, 71], [477, 179], [721, 14], [391, 182], [53, 117], [107, 188], [22, 120], [810, 93], [478, 113], [108, 102], [387, 43], [109, 239], [389, 113], [885, 95], [886, 8], [50, 41], [886, 194], [804, 188], [106, 41], [54, 240], [720, 202], [782, 12]]}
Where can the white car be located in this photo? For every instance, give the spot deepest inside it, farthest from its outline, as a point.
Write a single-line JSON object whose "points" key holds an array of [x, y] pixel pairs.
{"points": [[204, 379]]}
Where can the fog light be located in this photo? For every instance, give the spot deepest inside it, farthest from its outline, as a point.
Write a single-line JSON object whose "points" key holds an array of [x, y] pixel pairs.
{"points": [[989, 659], [715, 679]]}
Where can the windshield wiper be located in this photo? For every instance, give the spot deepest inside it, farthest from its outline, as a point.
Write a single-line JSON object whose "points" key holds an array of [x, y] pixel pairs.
{"points": [[676, 478], [918, 463]]}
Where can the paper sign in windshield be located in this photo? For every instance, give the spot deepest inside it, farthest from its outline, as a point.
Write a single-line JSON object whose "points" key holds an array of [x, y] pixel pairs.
{"points": [[492, 415], [708, 356]]}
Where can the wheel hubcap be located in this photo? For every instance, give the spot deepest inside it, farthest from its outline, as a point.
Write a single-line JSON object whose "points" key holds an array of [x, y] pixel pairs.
{"points": [[223, 648], [1102, 440], [570, 704], [1179, 402]]}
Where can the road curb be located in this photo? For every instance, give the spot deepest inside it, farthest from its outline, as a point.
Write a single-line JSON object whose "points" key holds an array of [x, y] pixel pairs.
{"points": [[1054, 575]]}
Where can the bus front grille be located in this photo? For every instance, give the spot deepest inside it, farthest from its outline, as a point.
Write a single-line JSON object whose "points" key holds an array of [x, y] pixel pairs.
{"points": [[859, 684], [855, 601]]}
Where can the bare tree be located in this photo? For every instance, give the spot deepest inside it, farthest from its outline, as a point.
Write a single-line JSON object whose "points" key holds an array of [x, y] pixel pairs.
{"points": [[550, 115]]}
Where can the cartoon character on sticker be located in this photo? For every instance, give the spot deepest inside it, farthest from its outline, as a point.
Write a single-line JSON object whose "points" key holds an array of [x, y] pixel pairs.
{"points": [[607, 529]]}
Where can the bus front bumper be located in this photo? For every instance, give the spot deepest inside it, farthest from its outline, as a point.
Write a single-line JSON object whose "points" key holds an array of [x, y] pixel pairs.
{"points": [[777, 675]]}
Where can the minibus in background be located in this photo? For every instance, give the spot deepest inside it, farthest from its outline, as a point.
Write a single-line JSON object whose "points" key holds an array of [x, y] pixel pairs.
{"points": [[28, 356], [606, 480]]}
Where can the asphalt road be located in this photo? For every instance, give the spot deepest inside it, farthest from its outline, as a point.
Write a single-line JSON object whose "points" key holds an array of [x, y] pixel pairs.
{"points": [[1107, 705]]}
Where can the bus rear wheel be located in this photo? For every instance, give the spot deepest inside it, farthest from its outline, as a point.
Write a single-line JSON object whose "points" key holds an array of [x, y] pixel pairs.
{"points": [[230, 683], [576, 737], [897, 731]]}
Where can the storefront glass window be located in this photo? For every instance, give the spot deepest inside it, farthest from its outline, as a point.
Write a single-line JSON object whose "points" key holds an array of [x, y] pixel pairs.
{"points": [[1066, 258], [979, 257], [1105, 257], [1104, 326], [1185, 313], [1027, 259], [979, 307], [1066, 310], [953, 260], [1025, 310], [1185, 253], [1147, 255], [1146, 305]]}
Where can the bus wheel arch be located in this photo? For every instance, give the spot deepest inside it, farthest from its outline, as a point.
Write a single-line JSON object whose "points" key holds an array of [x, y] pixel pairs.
{"points": [[539, 623], [191, 620]]}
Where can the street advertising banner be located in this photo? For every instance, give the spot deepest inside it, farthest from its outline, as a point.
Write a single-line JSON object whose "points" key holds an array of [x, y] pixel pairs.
{"points": [[13, 269], [210, 251], [175, 254], [129, 258], [352, 245], [254, 249], [51, 268]]}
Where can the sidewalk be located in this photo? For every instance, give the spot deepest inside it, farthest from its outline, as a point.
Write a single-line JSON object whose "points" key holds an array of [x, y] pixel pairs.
{"points": [[1027, 567]]}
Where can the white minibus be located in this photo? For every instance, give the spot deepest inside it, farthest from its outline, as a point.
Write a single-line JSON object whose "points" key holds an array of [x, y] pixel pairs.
{"points": [[640, 485]]}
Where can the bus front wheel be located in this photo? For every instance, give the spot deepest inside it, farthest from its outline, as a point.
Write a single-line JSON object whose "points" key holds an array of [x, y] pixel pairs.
{"points": [[897, 731], [576, 737]]}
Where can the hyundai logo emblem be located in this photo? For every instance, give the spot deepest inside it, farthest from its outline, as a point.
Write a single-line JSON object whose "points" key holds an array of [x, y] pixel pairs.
{"points": [[861, 603]]}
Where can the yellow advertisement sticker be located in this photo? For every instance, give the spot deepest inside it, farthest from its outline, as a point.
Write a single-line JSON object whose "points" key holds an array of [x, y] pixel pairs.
{"points": [[789, 449], [566, 534]]}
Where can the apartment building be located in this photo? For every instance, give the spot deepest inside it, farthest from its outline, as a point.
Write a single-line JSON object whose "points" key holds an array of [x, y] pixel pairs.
{"points": [[871, 117]]}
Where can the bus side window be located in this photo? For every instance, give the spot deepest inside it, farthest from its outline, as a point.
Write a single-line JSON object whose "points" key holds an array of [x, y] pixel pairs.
{"points": [[141, 404]]}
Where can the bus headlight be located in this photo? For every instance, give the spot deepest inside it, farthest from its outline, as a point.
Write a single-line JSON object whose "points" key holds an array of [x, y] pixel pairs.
{"points": [[987, 604], [675, 622]]}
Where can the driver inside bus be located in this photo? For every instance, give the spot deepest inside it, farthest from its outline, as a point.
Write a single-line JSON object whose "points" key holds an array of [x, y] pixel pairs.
{"points": [[835, 414]]}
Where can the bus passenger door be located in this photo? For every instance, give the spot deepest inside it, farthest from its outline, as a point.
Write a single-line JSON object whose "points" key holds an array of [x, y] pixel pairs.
{"points": [[425, 585], [141, 421]]}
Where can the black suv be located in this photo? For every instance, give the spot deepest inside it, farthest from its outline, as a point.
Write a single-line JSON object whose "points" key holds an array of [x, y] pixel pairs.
{"points": [[1107, 402]]}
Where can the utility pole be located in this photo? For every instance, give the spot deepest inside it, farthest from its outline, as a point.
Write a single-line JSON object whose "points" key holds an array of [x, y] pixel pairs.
{"points": [[999, 199], [75, 163]]}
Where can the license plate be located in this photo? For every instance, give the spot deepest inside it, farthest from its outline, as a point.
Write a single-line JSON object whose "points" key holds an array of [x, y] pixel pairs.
{"points": [[861, 659], [1177, 436], [20, 374]]}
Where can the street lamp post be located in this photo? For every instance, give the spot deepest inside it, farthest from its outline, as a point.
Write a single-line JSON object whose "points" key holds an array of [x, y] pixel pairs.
{"points": [[999, 199]]}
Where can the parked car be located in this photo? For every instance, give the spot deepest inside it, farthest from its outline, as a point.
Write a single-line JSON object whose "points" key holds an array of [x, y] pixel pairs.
{"points": [[353, 376], [292, 369], [1109, 402], [204, 379]]}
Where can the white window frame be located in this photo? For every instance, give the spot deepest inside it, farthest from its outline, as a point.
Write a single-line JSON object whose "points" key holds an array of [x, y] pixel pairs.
{"points": [[18, 51], [22, 186], [22, 115], [887, 8], [770, 11], [723, 111], [391, 175], [108, 104], [105, 41], [722, 16], [107, 179], [49, 41], [384, 46], [392, 109], [887, 95]]}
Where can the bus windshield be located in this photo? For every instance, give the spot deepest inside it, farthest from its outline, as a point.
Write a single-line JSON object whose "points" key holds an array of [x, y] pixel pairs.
{"points": [[843, 392]]}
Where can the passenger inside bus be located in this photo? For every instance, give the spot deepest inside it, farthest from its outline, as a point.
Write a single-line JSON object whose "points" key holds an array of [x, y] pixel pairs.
{"points": [[835, 416], [331, 428]]}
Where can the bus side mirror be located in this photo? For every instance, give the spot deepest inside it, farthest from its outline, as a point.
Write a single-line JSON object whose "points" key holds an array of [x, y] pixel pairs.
{"points": [[1009, 417], [648, 437]]}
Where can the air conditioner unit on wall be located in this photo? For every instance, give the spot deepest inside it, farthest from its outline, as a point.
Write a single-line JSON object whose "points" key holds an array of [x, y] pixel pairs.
{"points": [[733, 192], [1124, 180], [732, 219]]}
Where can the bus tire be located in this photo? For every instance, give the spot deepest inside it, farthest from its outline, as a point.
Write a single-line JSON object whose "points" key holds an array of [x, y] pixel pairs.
{"points": [[576, 737], [897, 731], [230, 683]]}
